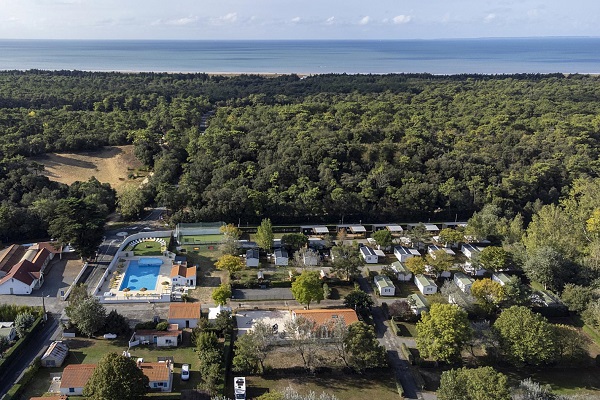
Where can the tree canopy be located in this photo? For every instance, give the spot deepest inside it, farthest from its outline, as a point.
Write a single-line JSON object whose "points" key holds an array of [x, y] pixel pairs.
{"points": [[307, 287], [116, 377]]}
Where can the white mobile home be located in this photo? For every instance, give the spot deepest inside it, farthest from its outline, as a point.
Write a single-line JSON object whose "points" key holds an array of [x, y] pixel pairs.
{"points": [[368, 254], [433, 248], [425, 285], [252, 258], [403, 253], [501, 278], [281, 257], [385, 285], [463, 282], [402, 273], [470, 250], [418, 303]]}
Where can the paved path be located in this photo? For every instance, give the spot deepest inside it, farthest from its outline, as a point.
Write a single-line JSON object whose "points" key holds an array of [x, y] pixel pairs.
{"points": [[392, 344]]}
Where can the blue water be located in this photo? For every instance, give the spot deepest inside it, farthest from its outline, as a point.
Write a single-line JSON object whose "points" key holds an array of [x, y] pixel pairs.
{"points": [[525, 55], [142, 273]]}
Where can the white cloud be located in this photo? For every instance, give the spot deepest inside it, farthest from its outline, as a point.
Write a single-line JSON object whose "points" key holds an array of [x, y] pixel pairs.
{"points": [[182, 21], [364, 20], [295, 20], [330, 20], [490, 17], [229, 18], [402, 19]]}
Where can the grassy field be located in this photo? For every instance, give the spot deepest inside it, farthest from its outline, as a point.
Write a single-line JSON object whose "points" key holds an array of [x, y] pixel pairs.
{"points": [[90, 351], [201, 239], [405, 289], [378, 385], [205, 256]]}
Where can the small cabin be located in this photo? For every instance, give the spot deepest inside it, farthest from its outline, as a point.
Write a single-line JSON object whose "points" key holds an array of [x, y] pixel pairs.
{"points": [[463, 282], [403, 253], [402, 273], [369, 255], [385, 286], [281, 257], [425, 285], [252, 258]]}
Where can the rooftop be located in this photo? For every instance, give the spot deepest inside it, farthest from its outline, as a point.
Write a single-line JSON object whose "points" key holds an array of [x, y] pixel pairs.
{"points": [[76, 375], [383, 281], [156, 371], [182, 270], [321, 316], [424, 281], [184, 311]]}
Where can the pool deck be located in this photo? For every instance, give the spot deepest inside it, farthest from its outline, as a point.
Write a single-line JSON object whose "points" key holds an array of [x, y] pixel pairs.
{"points": [[110, 288]]}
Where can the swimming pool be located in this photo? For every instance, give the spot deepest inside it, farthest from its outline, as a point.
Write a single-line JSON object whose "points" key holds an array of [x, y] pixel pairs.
{"points": [[141, 273]]}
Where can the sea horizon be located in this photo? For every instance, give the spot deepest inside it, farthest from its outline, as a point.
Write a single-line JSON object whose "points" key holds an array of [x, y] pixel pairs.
{"points": [[491, 55]]}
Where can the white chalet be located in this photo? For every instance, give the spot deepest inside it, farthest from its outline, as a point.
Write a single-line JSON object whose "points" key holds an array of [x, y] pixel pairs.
{"points": [[403, 253], [425, 285], [369, 255]]}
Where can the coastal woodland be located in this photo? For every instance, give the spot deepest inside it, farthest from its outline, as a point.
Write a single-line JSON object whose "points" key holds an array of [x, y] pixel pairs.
{"points": [[316, 148]]}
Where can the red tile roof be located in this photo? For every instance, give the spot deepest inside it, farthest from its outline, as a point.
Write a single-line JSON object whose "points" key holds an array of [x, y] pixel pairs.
{"points": [[11, 256], [25, 272], [321, 316], [76, 375], [182, 270], [184, 311], [156, 371]]}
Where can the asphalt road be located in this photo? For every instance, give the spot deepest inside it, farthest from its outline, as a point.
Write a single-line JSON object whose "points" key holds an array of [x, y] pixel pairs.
{"points": [[36, 346]]}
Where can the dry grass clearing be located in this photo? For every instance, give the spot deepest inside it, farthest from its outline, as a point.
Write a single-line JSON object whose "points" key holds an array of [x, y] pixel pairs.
{"points": [[110, 165]]}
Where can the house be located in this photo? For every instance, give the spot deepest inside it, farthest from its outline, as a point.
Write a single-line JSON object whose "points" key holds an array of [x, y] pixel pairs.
{"points": [[281, 257], [473, 270], [7, 329], [213, 312], [22, 268], [425, 285], [324, 317], [402, 273], [252, 258], [74, 378], [185, 315], [463, 282], [169, 338], [385, 286], [418, 303], [369, 255], [431, 249], [55, 355], [160, 375], [501, 278], [182, 275], [403, 253]]}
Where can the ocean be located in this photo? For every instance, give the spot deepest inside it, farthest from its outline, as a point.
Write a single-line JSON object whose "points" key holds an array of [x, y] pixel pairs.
{"points": [[482, 56]]}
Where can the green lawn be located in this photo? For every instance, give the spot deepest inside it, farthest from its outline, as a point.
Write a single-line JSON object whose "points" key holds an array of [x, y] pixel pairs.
{"points": [[379, 385], [90, 351], [148, 248], [201, 239], [405, 289]]}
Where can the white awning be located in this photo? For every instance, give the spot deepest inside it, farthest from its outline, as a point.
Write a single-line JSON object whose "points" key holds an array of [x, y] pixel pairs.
{"points": [[357, 229], [320, 229], [394, 228], [431, 227]]}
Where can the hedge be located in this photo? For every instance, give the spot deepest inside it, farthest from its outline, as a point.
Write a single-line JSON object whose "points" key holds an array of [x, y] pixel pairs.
{"points": [[15, 391], [22, 342]]}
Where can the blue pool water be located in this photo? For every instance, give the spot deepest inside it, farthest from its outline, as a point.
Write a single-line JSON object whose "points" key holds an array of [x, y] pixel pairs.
{"points": [[142, 273]]}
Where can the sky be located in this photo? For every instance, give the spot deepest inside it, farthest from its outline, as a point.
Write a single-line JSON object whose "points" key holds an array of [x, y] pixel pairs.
{"points": [[294, 19]]}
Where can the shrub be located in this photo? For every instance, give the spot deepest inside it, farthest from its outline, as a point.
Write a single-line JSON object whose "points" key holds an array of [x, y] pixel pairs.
{"points": [[162, 326]]}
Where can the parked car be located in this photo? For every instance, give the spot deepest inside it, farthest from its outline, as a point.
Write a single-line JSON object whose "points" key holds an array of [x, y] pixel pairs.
{"points": [[185, 372]]}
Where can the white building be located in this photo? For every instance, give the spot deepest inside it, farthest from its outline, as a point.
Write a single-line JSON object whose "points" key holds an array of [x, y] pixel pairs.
{"points": [[281, 257], [501, 278], [431, 249], [185, 315], [470, 250], [252, 258], [369, 255], [402, 273], [418, 303], [7, 329], [425, 285], [403, 253], [182, 275], [385, 286], [463, 282]]}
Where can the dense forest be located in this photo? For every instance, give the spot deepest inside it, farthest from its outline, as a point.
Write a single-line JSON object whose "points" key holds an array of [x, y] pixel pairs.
{"points": [[319, 148]]}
